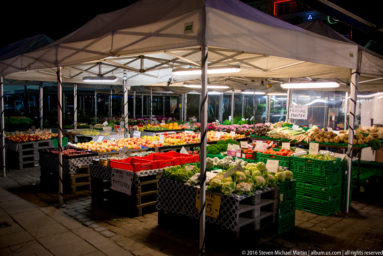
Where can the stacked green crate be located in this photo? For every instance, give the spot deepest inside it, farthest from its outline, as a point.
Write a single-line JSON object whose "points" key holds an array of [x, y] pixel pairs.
{"points": [[283, 160], [286, 206], [319, 185]]}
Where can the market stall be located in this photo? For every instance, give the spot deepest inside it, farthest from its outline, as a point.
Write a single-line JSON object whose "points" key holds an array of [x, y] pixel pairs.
{"points": [[128, 44]]}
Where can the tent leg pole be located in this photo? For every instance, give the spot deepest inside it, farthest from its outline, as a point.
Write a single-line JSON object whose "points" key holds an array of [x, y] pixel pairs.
{"points": [[185, 107], [351, 124], [41, 106], [134, 105], [243, 106], [110, 103], [220, 110], [126, 107], [288, 103], [204, 115], [232, 106], [75, 106], [2, 127], [345, 109], [60, 133], [268, 105], [151, 105]]}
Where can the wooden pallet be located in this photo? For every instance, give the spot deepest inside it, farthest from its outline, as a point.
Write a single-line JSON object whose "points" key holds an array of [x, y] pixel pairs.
{"points": [[142, 191], [81, 180]]}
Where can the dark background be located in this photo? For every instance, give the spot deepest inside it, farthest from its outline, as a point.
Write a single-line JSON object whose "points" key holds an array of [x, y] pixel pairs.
{"points": [[19, 19]]}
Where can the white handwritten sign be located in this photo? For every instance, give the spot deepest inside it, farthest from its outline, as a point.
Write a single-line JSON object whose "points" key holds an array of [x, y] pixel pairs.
{"points": [[286, 145], [121, 181], [272, 165], [299, 112], [313, 148], [136, 134]]}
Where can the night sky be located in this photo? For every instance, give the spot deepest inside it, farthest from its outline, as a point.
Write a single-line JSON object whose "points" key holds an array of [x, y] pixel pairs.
{"points": [[21, 19]]}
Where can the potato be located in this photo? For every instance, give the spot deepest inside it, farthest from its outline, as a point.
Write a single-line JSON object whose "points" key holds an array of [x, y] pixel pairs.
{"points": [[326, 140]]}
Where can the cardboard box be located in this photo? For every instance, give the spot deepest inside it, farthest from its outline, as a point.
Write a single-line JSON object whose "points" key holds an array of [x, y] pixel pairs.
{"points": [[379, 155]]}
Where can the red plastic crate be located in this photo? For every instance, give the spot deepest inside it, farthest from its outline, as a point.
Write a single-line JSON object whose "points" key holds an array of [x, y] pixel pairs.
{"points": [[160, 160], [131, 164]]}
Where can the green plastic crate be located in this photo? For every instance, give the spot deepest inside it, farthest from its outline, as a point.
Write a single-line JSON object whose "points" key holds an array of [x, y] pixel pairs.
{"points": [[283, 160], [318, 206], [315, 167], [55, 142], [286, 207], [287, 190], [286, 222], [212, 156], [325, 193], [323, 181]]}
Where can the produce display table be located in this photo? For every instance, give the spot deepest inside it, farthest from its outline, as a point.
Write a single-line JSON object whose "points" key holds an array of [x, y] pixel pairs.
{"points": [[25, 154], [75, 171], [235, 211], [143, 194]]}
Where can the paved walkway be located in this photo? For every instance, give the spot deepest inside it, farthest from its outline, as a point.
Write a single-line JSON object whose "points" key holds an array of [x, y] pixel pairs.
{"points": [[35, 227]]}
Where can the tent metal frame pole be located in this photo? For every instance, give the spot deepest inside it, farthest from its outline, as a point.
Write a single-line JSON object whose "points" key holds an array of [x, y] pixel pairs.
{"points": [[351, 123], [243, 106], [204, 118], [288, 104], [268, 105], [111, 103], [163, 105], [2, 128], [185, 107], [134, 105], [254, 108], [220, 108], [60, 133], [95, 107], [142, 106], [232, 106], [75, 106], [126, 107], [41, 106], [182, 107], [151, 105], [345, 109]]}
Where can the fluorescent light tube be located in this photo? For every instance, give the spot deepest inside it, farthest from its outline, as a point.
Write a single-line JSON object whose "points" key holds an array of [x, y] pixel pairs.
{"points": [[277, 94], [313, 85], [254, 93], [198, 86], [99, 79], [223, 70]]}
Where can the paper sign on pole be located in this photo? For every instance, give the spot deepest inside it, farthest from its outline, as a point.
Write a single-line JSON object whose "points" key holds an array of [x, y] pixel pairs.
{"points": [[314, 148], [136, 134], [286, 145], [298, 112], [272, 165], [121, 181], [213, 203]]}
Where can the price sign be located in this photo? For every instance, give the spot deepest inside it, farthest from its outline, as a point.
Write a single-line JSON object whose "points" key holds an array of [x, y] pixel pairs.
{"points": [[244, 144], [184, 151], [100, 138], [314, 148], [329, 129], [136, 134], [232, 133], [212, 204], [162, 138], [286, 145], [341, 156], [272, 165], [121, 181], [299, 112]]}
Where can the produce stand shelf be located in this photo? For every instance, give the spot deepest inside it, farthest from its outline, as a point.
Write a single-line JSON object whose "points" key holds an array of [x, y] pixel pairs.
{"points": [[144, 189], [235, 211], [76, 174], [25, 154]]}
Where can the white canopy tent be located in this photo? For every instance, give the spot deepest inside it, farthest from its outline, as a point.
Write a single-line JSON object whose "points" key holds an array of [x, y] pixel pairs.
{"points": [[151, 38]]}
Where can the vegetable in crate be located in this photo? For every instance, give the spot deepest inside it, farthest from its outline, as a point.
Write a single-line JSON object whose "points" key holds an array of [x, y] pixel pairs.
{"points": [[261, 167], [324, 157], [271, 180], [289, 175], [244, 188], [280, 176], [259, 182], [228, 187], [238, 176]]}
